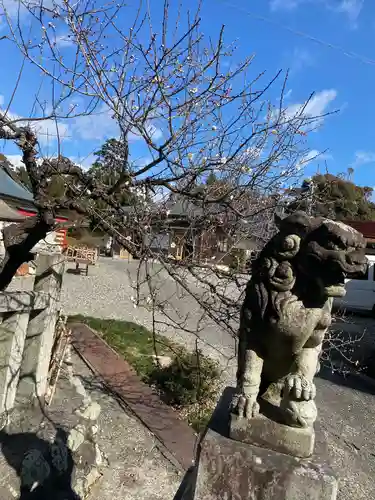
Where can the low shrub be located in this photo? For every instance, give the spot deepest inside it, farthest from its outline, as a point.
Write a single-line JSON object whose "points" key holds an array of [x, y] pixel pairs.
{"points": [[189, 382], [190, 379]]}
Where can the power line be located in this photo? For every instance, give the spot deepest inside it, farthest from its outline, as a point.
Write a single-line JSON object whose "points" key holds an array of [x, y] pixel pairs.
{"points": [[347, 53]]}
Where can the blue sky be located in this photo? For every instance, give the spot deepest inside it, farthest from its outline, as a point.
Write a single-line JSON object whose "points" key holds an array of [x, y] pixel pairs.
{"points": [[282, 34]]}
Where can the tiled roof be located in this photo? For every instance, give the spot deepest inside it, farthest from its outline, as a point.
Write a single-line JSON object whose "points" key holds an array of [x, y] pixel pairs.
{"points": [[9, 214], [12, 189]]}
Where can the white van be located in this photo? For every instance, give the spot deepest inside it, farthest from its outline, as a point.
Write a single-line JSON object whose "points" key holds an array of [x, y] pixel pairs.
{"points": [[360, 292]]}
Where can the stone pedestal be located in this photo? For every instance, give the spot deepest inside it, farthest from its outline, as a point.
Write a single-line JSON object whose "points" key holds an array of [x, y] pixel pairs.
{"points": [[228, 469], [262, 431]]}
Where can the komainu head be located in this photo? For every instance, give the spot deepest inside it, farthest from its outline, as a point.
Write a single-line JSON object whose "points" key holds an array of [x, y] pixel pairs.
{"points": [[309, 258]]}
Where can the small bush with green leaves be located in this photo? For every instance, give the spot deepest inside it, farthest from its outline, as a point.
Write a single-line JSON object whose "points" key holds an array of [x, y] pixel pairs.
{"points": [[190, 382], [191, 378]]}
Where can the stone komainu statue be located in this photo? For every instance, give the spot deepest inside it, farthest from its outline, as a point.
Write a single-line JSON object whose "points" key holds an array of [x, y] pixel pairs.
{"points": [[287, 311]]}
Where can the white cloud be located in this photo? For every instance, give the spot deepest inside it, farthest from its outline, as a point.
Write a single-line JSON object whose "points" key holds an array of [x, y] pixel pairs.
{"points": [[154, 132], [309, 156], [299, 59], [318, 105], [15, 7], [284, 4], [12, 7], [288, 94], [142, 161], [63, 41], [45, 129], [350, 8], [84, 162], [363, 158], [15, 160], [100, 126], [312, 155]]}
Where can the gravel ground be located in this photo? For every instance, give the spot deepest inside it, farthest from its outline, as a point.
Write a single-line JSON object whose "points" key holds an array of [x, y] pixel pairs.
{"points": [[137, 469], [346, 407], [107, 291]]}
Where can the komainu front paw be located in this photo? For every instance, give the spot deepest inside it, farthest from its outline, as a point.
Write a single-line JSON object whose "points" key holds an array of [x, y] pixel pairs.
{"points": [[245, 406], [299, 387]]}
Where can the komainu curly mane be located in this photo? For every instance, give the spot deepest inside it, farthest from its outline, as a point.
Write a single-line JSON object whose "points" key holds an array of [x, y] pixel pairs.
{"points": [[278, 274], [287, 307]]}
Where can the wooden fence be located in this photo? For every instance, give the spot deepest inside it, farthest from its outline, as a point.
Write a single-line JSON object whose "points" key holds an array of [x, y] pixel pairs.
{"points": [[27, 326]]}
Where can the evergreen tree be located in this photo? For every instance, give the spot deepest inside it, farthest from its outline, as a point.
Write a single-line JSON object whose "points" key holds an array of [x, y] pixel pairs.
{"points": [[112, 161], [334, 197]]}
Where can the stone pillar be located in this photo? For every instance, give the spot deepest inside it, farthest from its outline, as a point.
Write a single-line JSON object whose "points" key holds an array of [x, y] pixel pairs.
{"points": [[41, 329], [12, 341]]}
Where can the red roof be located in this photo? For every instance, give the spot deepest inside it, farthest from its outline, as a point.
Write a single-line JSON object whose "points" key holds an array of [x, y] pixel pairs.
{"points": [[28, 213], [366, 227]]}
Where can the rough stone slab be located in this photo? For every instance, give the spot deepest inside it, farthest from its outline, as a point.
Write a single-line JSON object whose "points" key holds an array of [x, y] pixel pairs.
{"points": [[23, 301], [41, 453], [12, 341], [230, 470], [262, 431], [174, 434], [41, 329]]}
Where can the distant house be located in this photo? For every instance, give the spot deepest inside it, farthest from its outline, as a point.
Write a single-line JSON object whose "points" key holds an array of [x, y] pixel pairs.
{"points": [[9, 214], [184, 231], [13, 197], [17, 203], [190, 233], [12, 192]]}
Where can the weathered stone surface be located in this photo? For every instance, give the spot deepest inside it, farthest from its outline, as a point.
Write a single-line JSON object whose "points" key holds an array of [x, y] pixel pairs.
{"points": [[287, 311], [230, 470], [86, 456], [51, 452], [40, 329], [49, 470], [76, 437], [262, 431], [89, 411], [12, 340]]}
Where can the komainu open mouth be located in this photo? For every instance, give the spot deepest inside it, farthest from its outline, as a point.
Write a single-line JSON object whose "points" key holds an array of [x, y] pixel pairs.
{"points": [[336, 286]]}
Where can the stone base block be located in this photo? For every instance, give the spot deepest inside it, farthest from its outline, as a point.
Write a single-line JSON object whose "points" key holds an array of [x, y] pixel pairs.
{"points": [[230, 470], [264, 432]]}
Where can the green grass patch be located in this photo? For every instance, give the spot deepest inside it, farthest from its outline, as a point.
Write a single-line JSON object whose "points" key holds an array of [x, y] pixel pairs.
{"points": [[189, 383]]}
